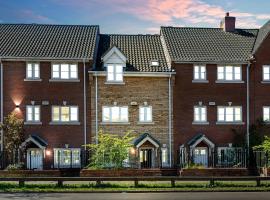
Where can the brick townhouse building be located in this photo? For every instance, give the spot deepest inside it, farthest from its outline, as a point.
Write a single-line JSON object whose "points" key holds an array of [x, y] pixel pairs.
{"points": [[180, 92]]}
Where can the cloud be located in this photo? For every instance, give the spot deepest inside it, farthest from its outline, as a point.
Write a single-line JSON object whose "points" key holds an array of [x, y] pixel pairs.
{"points": [[31, 16], [170, 12]]}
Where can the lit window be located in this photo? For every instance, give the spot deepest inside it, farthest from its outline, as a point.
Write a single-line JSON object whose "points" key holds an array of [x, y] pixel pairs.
{"points": [[266, 113], [199, 73], [200, 114], [115, 73], [65, 71], [115, 114], [164, 156], [229, 73], [33, 71], [66, 158], [33, 113], [65, 113], [230, 114], [266, 72], [145, 114]]}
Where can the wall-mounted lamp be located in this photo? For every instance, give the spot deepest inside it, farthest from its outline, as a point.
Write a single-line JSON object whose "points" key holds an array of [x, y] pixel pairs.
{"points": [[48, 152], [132, 151]]}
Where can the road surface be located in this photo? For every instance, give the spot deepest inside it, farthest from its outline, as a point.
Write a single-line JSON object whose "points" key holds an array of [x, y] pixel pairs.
{"points": [[138, 196]]}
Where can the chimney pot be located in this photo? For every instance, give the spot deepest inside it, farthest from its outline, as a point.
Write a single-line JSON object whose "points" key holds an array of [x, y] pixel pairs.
{"points": [[227, 14]]}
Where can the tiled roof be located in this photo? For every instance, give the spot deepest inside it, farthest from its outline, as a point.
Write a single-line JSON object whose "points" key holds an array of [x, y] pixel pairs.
{"points": [[47, 41], [208, 44], [263, 33], [140, 50]]}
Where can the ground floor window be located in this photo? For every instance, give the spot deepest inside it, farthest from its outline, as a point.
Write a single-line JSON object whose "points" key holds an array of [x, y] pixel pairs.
{"points": [[230, 156], [67, 158], [164, 157]]}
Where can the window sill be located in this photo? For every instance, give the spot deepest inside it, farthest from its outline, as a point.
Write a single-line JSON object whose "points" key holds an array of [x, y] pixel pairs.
{"points": [[146, 123], [115, 123], [65, 123], [64, 80], [114, 83], [34, 80], [32, 123], [230, 123], [265, 82], [200, 81], [229, 81], [200, 123]]}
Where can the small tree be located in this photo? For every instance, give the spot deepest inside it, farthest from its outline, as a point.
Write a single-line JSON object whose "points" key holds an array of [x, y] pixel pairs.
{"points": [[265, 146], [111, 150], [13, 130]]}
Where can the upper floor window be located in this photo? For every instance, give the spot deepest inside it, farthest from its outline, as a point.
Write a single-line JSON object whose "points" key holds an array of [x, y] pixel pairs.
{"points": [[200, 114], [65, 113], [33, 71], [266, 73], [266, 113], [32, 113], [65, 71], [115, 114], [229, 73], [199, 73], [230, 114], [145, 114], [114, 73]]}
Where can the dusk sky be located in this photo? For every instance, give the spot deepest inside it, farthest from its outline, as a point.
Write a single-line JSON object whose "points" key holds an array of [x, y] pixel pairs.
{"points": [[135, 16]]}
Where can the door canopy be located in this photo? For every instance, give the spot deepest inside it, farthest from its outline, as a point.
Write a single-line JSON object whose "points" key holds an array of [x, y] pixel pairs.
{"points": [[198, 139], [36, 140], [146, 137]]}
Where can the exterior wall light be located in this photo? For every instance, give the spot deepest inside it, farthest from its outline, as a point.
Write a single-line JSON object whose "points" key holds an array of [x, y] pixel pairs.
{"points": [[48, 153], [132, 151]]}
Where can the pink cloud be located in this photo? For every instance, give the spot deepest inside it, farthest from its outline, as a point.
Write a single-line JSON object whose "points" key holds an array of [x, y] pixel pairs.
{"points": [[29, 15]]}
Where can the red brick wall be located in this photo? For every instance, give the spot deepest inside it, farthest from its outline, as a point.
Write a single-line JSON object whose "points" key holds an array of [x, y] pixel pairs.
{"points": [[187, 94], [16, 90]]}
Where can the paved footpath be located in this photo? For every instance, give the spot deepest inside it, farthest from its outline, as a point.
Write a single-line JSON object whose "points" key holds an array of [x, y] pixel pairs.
{"points": [[139, 196]]}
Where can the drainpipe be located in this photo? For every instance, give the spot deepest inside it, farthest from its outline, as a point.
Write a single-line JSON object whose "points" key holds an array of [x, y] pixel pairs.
{"points": [[96, 104], [1, 77], [170, 121], [248, 103], [84, 104]]}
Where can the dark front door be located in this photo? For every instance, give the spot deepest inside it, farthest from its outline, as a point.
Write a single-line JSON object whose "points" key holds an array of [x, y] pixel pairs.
{"points": [[146, 158]]}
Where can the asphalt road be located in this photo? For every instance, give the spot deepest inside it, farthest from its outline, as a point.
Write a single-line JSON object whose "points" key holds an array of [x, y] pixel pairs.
{"points": [[139, 196]]}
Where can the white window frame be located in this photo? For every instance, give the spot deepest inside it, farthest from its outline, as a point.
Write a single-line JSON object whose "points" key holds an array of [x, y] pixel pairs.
{"points": [[32, 65], [33, 108], [225, 78], [71, 163], [145, 113], [114, 66], [60, 114], [200, 114], [199, 73], [111, 116], [264, 69], [264, 119], [234, 120], [60, 65]]}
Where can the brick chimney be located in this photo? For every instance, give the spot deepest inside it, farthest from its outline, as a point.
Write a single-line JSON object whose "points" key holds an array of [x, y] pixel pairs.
{"points": [[228, 23]]}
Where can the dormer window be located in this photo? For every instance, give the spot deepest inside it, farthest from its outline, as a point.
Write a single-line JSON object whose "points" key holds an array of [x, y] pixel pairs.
{"points": [[154, 63], [114, 73]]}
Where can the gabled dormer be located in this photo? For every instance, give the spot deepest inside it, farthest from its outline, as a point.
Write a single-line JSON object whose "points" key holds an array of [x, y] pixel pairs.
{"points": [[114, 62]]}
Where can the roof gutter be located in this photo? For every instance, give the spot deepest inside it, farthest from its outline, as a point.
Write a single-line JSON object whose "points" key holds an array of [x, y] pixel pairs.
{"points": [[212, 62], [140, 74], [43, 59]]}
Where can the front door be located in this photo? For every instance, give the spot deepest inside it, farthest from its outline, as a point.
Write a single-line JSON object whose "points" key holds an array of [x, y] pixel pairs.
{"points": [[146, 158], [34, 159], [201, 156]]}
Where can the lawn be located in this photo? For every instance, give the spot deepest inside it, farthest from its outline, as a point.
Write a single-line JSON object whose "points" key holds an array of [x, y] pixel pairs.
{"points": [[129, 187]]}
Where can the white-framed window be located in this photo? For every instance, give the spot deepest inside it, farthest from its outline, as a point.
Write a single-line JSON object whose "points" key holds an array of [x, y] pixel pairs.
{"points": [[65, 113], [266, 72], [115, 73], [229, 114], [199, 72], [32, 113], [229, 73], [200, 114], [164, 156], [64, 71], [266, 113], [32, 71], [145, 114], [115, 114], [67, 158]]}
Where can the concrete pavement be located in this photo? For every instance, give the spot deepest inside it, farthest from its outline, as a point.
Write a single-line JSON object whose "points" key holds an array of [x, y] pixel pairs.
{"points": [[139, 196]]}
